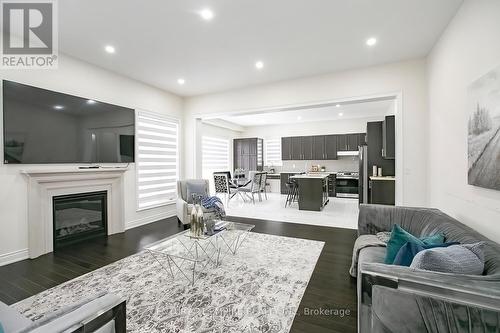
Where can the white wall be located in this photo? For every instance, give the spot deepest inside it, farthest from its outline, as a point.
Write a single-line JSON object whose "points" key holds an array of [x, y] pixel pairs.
{"points": [[221, 133], [405, 77], [80, 79], [469, 48], [344, 126]]}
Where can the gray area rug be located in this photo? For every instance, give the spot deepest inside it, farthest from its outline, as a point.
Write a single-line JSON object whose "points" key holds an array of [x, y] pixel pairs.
{"points": [[257, 290]]}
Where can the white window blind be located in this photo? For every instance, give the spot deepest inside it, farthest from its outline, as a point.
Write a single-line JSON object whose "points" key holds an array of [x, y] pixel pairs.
{"points": [[157, 159], [272, 152], [215, 157]]}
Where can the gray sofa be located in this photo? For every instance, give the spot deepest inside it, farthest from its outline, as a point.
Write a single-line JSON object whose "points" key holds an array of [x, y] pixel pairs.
{"points": [[104, 313], [401, 299]]}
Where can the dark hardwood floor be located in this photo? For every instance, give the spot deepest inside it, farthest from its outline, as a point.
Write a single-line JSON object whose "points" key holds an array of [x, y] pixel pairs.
{"points": [[330, 288]]}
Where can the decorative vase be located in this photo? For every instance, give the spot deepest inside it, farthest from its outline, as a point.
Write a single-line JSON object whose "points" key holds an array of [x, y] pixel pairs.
{"points": [[193, 220], [199, 220]]}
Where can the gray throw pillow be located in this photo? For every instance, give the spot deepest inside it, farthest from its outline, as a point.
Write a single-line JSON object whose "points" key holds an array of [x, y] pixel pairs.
{"points": [[459, 259], [195, 188]]}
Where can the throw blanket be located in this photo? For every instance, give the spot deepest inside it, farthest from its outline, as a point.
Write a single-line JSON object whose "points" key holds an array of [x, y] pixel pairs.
{"points": [[380, 239], [214, 203]]}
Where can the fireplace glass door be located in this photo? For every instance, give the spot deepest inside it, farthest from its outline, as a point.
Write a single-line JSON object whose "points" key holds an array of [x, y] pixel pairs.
{"points": [[79, 217]]}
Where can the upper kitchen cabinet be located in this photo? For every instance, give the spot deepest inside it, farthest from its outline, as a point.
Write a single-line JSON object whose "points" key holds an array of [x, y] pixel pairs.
{"points": [[362, 139], [352, 142], [331, 147], [319, 147], [286, 149], [296, 148], [307, 147], [375, 147], [342, 143], [319, 151], [348, 142], [389, 138]]}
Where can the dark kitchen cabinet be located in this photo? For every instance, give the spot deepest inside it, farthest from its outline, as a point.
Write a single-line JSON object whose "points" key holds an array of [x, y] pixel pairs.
{"points": [[307, 147], [342, 143], [382, 192], [296, 148], [319, 149], [389, 138], [375, 146], [248, 154], [348, 142], [352, 142], [362, 139], [331, 147], [331, 185], [286, 149]]}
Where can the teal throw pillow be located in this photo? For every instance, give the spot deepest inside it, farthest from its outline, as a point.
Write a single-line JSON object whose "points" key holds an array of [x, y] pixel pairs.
{"points": [[1, 328], [400, 237]]}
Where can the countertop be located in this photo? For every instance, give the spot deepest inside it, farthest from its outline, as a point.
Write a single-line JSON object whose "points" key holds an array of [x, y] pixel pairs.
{"points": [[383, 178], [310, 172], [309, 176]]}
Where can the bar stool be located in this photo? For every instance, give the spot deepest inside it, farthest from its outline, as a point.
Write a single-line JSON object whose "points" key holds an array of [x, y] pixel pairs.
{"points": [[292, 192]]}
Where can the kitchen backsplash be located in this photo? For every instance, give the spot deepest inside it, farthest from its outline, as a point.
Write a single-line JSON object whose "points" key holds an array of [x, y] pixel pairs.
{"points": [[342, 164]]}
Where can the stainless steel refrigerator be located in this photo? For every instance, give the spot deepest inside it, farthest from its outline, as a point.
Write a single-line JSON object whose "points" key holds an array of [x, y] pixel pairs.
{"points": [[363, 174]]}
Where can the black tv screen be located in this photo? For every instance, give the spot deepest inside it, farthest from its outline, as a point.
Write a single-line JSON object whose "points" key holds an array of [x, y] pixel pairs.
{"points": [[42, 126]]}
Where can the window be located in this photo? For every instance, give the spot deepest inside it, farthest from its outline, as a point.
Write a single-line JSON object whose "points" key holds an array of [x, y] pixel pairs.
{"points": [[215, 157], [157, 160], [272, 152]]}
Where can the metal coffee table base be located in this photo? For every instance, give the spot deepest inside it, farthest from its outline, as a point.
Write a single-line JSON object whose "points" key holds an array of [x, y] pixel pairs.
{"points": [[190, 267]]}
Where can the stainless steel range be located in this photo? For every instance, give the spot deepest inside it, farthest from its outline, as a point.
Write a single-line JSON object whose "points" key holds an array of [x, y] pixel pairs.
{"points": [[346, 185]]}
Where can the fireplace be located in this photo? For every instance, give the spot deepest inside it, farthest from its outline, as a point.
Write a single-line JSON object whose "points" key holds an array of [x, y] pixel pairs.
{"points": [[79, 217]]}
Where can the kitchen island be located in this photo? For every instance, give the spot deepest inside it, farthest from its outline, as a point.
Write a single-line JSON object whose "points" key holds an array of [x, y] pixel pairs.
{"points": [[313, 191]]}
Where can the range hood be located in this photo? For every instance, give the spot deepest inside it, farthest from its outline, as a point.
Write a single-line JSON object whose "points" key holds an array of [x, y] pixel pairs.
{"points": [[348, 153]]}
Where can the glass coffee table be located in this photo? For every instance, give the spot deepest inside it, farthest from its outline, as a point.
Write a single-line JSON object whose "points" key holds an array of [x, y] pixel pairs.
{"points": [[189, 255]]}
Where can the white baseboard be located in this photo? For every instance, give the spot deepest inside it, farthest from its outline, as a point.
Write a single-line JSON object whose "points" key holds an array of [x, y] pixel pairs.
{"points": [[9, 258], [150, 219]]}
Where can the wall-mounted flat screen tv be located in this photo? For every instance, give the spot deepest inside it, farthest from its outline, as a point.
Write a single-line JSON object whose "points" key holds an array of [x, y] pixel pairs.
{"points": [[42, 126]]}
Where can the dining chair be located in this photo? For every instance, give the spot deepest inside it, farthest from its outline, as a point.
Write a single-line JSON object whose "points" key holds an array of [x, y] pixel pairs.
{"points": [[223, 185], [254, 187], [263, 186]]}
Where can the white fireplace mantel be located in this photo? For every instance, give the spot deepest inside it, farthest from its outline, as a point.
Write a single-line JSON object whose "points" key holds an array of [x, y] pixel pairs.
{"points": [[43, 185]]}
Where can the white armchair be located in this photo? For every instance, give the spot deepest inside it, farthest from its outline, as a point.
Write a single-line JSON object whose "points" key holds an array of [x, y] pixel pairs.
{"points": [[183, 204]]}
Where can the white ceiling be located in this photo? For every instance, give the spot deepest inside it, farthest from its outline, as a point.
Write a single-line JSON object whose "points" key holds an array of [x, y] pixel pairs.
{"points": [[325, 113], [159, 41]]}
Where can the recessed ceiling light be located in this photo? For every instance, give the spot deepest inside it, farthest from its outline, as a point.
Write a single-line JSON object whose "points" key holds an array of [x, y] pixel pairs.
{"points": [[91, 101], [338, 105], [110, 49], [181, 81], [259, 65], [341, 114], [58, 107], [299, 118], [371, 41], [207, 14]]}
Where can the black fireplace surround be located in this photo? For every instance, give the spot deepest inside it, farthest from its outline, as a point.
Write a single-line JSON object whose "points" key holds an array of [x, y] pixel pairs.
{"points": [[79, 217]]}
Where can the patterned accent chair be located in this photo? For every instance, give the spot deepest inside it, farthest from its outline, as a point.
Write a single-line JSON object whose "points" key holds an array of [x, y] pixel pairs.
{"points": [[224, 185]]}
